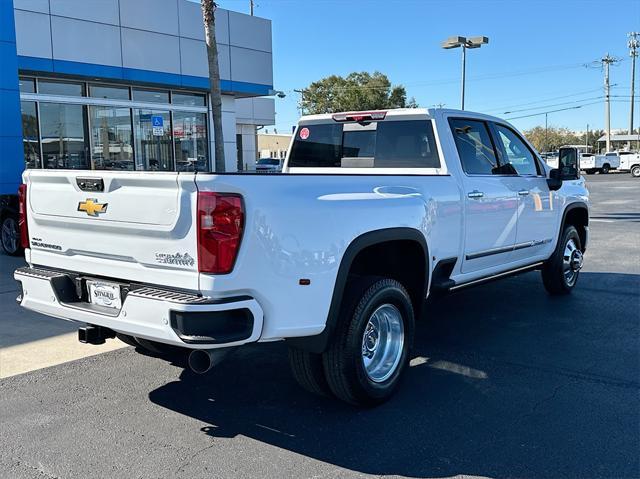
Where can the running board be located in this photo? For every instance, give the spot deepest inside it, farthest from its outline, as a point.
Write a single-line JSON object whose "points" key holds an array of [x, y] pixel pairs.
{"points": [[493, 277]]}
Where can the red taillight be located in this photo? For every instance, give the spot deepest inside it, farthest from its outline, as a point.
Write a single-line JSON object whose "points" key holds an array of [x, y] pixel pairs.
{"points": [[220, 224], [22, 218]]}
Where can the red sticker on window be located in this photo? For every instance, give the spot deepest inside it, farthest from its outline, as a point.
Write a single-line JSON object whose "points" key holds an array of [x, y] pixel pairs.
{"points": [[304, 133]]}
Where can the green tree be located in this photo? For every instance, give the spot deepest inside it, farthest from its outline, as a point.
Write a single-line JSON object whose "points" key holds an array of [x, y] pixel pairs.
{"points": [[356, 91], [552, 138]]}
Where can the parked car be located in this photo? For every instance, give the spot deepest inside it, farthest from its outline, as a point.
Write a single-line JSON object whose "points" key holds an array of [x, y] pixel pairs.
{"points": [[630, 161], [269, 165], [374, 213], [9, 229], [591, 163]]}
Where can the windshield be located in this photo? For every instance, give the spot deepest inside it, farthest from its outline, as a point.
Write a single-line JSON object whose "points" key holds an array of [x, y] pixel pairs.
{"points": [[268, 161], [382, 144]]}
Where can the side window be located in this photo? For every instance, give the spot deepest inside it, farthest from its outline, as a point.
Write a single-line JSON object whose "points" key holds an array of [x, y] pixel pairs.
{"points": [[474, 146], [514, 151]]}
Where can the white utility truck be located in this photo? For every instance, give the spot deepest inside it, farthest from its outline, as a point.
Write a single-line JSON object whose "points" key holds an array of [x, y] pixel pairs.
{"points": [[630, 161], [373, 212], [603, 164]]}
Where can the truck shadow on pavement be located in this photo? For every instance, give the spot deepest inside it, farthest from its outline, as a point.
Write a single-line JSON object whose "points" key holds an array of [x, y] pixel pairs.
{"points": [[505, 382]]}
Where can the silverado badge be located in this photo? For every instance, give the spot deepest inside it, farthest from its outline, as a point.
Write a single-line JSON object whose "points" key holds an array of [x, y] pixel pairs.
{"points": [[92, 207]]}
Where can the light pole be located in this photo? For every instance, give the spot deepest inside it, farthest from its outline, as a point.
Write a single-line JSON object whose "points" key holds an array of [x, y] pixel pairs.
{"points": [[455, 42]]}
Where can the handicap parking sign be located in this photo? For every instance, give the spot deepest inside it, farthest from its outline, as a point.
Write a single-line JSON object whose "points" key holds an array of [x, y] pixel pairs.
{"points": [[158, 125]]}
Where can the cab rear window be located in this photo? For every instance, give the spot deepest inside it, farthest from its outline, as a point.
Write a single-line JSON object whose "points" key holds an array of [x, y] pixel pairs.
{"points": [[383, 144]]}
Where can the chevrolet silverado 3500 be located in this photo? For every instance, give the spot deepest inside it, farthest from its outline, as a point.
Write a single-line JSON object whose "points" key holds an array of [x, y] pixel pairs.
{"points": [[372, 213]]}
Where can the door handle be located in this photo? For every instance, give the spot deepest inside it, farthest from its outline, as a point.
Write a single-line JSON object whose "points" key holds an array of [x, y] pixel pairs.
{"points": [[523, 192], [475, 194]]}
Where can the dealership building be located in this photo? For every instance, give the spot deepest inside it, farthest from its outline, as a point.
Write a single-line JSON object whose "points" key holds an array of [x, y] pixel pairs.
{"points": [[122, 84]]}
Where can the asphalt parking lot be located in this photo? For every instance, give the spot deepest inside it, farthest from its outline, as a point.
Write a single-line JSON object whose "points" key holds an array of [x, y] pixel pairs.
{"points": [[506, 382]]}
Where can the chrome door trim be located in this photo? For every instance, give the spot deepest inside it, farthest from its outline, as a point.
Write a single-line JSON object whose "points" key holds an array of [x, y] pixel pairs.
{"points": [[507, 249]]}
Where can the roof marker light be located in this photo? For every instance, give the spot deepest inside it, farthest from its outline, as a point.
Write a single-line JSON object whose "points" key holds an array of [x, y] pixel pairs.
{"points": [[360, 116]]}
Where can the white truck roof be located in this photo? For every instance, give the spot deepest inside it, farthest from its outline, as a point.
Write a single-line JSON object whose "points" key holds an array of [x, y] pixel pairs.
{"points": [[402, 114]]}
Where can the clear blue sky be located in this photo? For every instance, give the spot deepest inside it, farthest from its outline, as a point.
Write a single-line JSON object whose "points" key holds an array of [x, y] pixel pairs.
{"points": [[536, 52]]}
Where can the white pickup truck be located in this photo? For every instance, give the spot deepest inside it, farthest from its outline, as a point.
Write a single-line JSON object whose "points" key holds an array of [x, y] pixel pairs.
{"points": [[591, 163], [373, 213]]}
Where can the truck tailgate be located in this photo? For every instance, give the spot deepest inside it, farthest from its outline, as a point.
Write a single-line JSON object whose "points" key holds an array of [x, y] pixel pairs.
{"points": [[125, 225]]}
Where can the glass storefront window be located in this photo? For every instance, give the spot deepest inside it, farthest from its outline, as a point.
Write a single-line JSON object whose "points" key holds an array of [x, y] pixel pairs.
{"points": [[150, 96], [153, 145], [30, 136], [53, 87], [190, 136], [111, 134], [111, 138], [64, 139], [27, 85], [109, 91], [187, 99]]}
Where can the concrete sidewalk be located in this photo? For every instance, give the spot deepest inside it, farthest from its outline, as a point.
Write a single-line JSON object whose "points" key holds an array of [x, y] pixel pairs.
{"points": [[31, 341]]}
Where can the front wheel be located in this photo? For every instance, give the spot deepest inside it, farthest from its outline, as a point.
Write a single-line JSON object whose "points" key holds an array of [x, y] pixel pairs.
{"points": [[605, 169], [371, 346], [560, 272], [635, 171], [10, 236]]}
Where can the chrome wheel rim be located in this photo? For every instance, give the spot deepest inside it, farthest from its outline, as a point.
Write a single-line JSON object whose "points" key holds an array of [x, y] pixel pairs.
{"points": [[571, 262], [10, 235], [382, 343]]}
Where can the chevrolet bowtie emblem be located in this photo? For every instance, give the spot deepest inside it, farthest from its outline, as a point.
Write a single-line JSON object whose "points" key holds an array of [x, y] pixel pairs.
{"points": [[92, 207]]}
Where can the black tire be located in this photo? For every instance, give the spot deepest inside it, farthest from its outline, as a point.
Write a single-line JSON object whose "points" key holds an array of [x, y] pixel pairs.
{"points": [[553, 271], [635, 171], [343, 361], [10, 236], [308, 371], [605, 169], [130, 340], [590, 172]]}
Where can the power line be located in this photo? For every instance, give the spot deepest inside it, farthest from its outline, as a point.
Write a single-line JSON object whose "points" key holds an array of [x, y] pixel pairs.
{"points": [[554, 105], [553, 111], [544, 100], [490, 76]]}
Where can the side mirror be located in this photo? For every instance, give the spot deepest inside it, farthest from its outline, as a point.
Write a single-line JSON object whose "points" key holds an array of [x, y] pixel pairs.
{"points": [[568, 164], [555, 180]]}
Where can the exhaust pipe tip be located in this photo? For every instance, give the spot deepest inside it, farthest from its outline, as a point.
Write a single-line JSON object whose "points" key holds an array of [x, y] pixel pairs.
{"points": [[200, 361]]}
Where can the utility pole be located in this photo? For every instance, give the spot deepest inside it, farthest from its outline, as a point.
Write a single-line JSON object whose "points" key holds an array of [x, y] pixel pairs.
{"points": [[546, 131], [634, 44], [251, 7], [606, 62], [586, 140], [301, 100]]}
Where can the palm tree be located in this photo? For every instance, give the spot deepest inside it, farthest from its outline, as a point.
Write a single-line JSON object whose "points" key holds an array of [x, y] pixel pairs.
{"points": [[208, 16]]}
